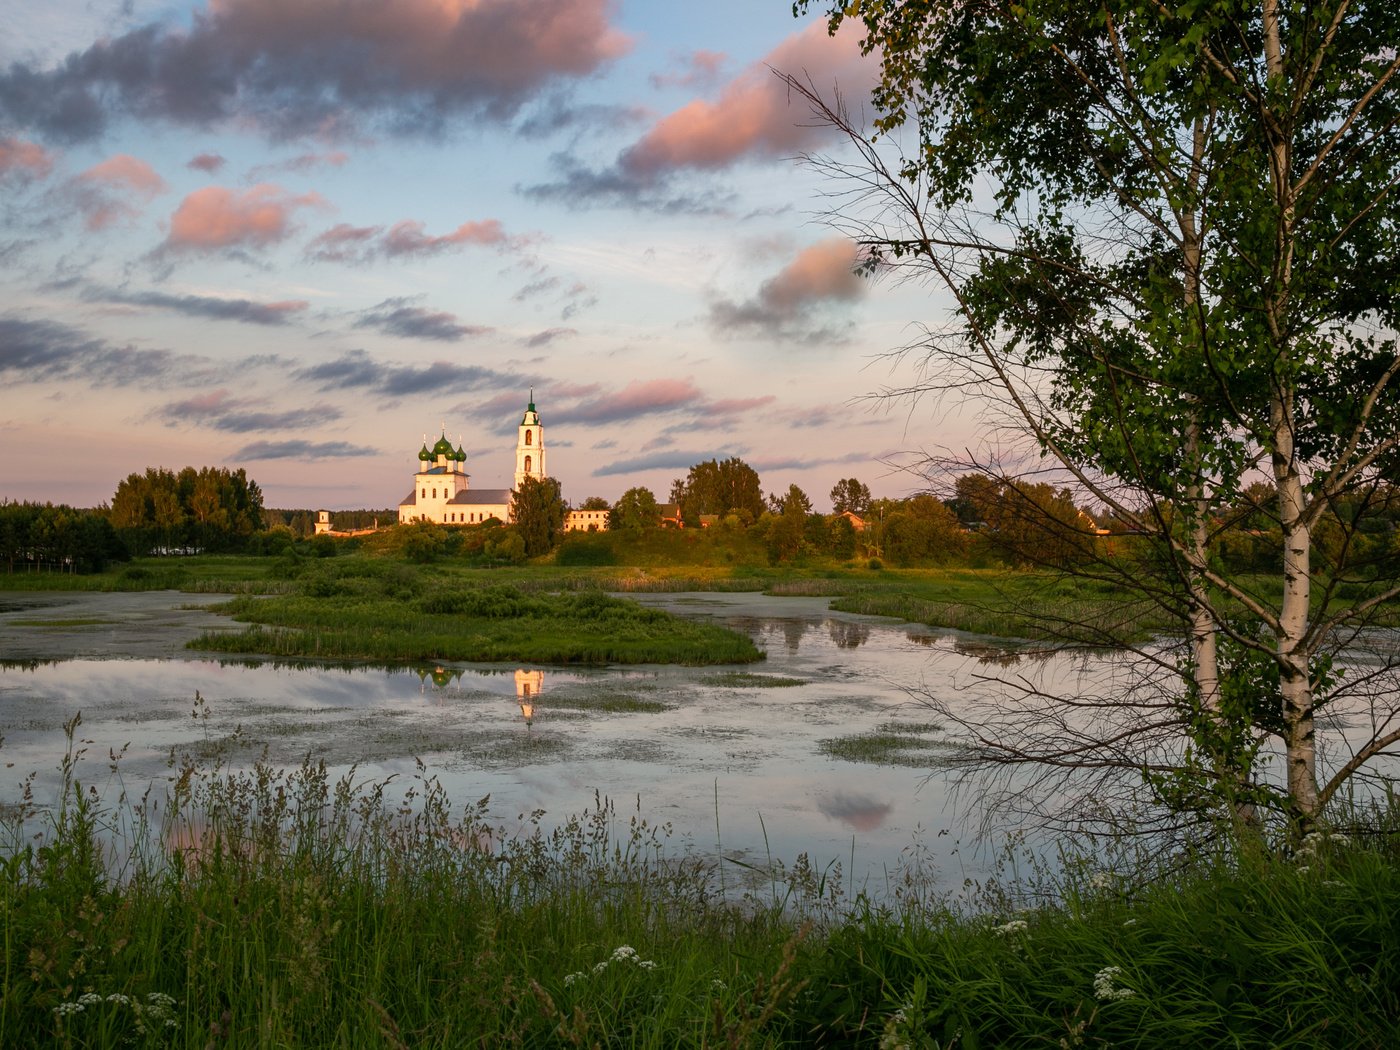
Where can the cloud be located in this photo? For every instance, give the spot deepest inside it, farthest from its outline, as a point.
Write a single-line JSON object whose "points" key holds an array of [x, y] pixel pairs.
{"points": [[406, 66], [755, 116], [360, 244], [821, 273], [548, 336], [408, 238], [246, 311], [397, 317], [222, 411], [637, 399], [41, 351], [206, 162], [302, 450], [669, 459], [300, 164], [357, 370], [217, 217], [113, 190], [23, 159], [735, 406], [698, 69]]}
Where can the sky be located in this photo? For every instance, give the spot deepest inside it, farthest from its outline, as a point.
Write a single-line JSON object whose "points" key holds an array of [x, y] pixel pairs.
{"points": [[302, 236]]}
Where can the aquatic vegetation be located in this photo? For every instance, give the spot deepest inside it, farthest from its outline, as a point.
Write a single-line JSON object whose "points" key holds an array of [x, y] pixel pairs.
{"points": [[351, 617]]}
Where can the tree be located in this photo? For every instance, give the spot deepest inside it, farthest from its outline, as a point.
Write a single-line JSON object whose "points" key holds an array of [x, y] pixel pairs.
{"points": [[848, 494], [717, 487], [794, 501], [1184, 282], [636, 510], [594, 503], [537, 512]]}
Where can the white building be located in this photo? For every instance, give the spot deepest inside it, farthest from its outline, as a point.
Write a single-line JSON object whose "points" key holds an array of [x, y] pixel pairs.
{"points": [[442, 491]]}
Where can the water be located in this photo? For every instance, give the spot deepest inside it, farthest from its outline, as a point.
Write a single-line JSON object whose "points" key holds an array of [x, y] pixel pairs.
{"points": [[732, 757]]}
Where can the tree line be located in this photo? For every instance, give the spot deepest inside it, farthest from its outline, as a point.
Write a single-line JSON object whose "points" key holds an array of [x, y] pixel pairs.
{"points": [[208, 509]]}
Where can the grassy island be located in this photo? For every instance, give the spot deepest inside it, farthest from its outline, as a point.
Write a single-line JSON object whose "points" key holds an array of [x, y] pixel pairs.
{"points": [[374, 610]]}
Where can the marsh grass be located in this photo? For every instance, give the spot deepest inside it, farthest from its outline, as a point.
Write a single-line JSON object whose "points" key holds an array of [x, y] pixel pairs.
{"points": [[397, 616], [747, 680], [254, 906], [890, 744]]}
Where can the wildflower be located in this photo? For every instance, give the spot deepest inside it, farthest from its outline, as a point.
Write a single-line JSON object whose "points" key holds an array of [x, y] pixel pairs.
{"points": [[600, 967], [1100, 880], [118, 998], [64, 1009], [1014, 926], [571, 978], [89, 999], [1104, 989], [717, 985], [646, 964], [624, 954], [1129, 922]]}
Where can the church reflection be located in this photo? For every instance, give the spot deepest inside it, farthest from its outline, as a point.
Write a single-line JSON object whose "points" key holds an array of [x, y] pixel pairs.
{"points": [[438, 677], [528, 685]]}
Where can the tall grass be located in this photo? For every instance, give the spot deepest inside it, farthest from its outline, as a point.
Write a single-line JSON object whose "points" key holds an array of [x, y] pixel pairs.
{"points": [[263, 907], [400, 617]]}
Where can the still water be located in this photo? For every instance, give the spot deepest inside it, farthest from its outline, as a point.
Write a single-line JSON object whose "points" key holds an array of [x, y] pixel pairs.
{"points": [[736, 759]]}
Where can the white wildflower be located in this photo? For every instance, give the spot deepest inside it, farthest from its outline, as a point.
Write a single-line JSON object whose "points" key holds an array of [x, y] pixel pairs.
{"points": [[1014, 926], [64, 1009], [625, 953], [1100, 880], [118, 998], [600, 967], [89, 999], [717, 985], [1104, 989], [646, 964], [1129, 922], [571, 978]]}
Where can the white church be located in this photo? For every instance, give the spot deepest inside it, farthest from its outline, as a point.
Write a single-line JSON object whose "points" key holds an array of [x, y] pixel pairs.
{"points": [[442, 491]]}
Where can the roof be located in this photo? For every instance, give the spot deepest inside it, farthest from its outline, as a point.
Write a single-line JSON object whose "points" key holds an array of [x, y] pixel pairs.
{"points": [[480, 497]]}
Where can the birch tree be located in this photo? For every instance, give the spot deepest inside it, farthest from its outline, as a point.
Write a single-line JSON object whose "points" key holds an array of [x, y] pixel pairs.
{"points": [[1168, 234]]}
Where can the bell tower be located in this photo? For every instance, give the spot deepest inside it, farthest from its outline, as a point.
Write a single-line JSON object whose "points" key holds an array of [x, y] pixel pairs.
{"points": [[529, 447]]}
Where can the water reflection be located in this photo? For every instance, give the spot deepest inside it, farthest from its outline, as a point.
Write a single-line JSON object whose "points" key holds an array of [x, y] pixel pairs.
{"points": [[861, 812], [528, 685], [848, 634]]}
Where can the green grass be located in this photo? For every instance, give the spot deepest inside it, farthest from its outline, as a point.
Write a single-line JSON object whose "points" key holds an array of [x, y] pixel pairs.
{"points": [[265, 908], [403, 616], [747, 680], [891, 744]]}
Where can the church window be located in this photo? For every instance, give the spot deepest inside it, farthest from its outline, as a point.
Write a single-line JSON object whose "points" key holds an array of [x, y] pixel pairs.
{"points": [[529, 437], [425, 493], [435, 492], [527, 464]]}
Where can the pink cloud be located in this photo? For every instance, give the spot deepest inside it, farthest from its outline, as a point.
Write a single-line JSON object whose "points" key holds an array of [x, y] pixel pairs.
{"points": [[736, 406], [301, 164], [468, 48], [408, 238], [638, 398], [755, 114], [28, 159], [206, 162], [823, 271], [218, 217], [115, 189], [700, 68], [359, 244]]}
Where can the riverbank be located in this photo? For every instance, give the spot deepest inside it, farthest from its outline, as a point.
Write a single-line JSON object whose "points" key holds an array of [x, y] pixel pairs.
{"points": [[281, 908]]}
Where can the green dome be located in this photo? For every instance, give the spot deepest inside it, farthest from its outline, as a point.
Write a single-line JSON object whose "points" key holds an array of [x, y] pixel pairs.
{"points": [[459, 455], [423, 453], [443, 448]]}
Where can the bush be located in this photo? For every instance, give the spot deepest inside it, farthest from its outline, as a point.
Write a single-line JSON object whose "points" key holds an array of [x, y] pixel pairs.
{"points": [[874, 563]]}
